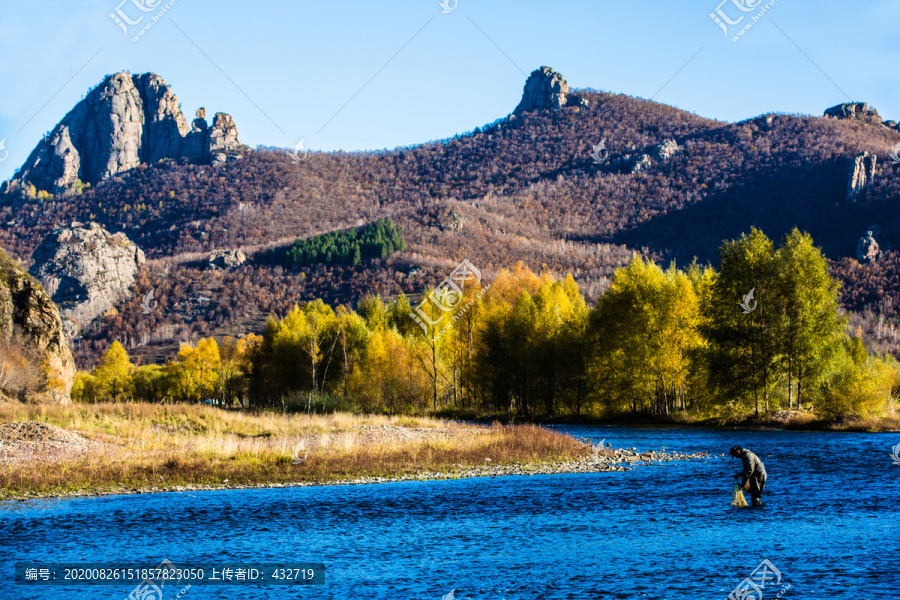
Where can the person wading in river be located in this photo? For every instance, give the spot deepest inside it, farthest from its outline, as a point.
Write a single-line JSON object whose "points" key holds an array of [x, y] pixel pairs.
{"points": [[753, 476]]}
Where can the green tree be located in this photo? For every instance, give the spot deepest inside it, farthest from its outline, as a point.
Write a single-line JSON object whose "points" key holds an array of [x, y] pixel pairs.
{"points": [[506, 342], [400, 316], [149, 383], [745, 344], [812, 328], [378, 239], [374, 311]]}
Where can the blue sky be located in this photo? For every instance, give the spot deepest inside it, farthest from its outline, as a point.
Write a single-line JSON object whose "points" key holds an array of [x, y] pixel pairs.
{"points": [[287, 70]]}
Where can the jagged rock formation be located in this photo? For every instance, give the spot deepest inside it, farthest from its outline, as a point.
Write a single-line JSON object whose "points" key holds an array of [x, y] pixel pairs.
{"points": [[226, 259], [545, 88], [87, 271], [223, 138], [659, 153], [124, 121], [35, 360], [862, 174], [851, 110], [868, 250]]}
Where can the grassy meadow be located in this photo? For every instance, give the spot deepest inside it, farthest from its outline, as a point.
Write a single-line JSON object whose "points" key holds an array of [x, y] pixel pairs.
{"points": [[151, 447]]}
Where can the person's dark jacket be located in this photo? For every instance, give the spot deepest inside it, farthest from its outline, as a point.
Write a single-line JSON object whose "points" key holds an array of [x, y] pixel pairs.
{"points": [[752, 465], [754, 472]]}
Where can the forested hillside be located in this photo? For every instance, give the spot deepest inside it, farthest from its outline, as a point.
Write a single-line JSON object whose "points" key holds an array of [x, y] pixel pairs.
{"points": [[524, 188]]}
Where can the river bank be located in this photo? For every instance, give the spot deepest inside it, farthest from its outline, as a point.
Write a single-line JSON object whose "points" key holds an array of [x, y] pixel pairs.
{"points": [[100, 449], [617, 460]]}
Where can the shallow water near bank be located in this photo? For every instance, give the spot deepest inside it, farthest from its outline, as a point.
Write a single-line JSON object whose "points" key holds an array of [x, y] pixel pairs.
{"points": [[831, 526]]}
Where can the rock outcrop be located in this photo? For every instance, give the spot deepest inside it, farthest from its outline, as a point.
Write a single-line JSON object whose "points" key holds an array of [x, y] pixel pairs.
{"points": [[223, 139], [854, 110], [850, 110], [642, 163], [862, 174], [123, 122], [35, 360], [226, 259], [86, 271], [666, 150], [868, 250], [545, 88], [658, 154]]}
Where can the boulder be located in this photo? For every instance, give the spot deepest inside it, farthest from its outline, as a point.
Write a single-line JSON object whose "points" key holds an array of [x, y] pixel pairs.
{"points": [[862, 174], [35, 360], [545, 88], [123, 122], [226, 259], [86, 270]]}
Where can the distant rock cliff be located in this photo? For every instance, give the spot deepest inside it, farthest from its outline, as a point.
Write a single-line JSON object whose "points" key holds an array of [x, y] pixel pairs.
{"points": [[862, 174], [545, 88], [124, 121], [87, 271], [35, 360]]}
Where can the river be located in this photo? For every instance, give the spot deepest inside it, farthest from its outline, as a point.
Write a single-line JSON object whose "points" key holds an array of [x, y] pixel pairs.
{"points": [[830, 528]]}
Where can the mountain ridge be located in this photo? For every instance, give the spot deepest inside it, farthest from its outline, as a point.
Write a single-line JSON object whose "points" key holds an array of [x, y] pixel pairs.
{"points": [[525, 187]]}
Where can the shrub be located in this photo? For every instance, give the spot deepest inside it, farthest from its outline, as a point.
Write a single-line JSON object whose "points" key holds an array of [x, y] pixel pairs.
{"points": [[858, 389]]}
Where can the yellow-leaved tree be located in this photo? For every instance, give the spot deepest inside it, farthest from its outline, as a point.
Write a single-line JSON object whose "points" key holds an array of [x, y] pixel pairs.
{"points": [[195, 374], [531, 347], [112, 376], [645, 339], [389, 375]]}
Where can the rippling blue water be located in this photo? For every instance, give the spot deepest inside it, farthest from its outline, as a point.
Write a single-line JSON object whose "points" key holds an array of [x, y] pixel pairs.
{"points": [[831, 525]]}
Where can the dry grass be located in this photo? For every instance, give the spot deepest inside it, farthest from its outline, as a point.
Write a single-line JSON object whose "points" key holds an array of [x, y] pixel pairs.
{"points": [[163, 446], [870, 424]]}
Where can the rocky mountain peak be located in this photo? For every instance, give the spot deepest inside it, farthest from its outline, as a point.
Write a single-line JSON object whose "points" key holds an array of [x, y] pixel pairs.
{"points": [[123, 122], [545, 88]]}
